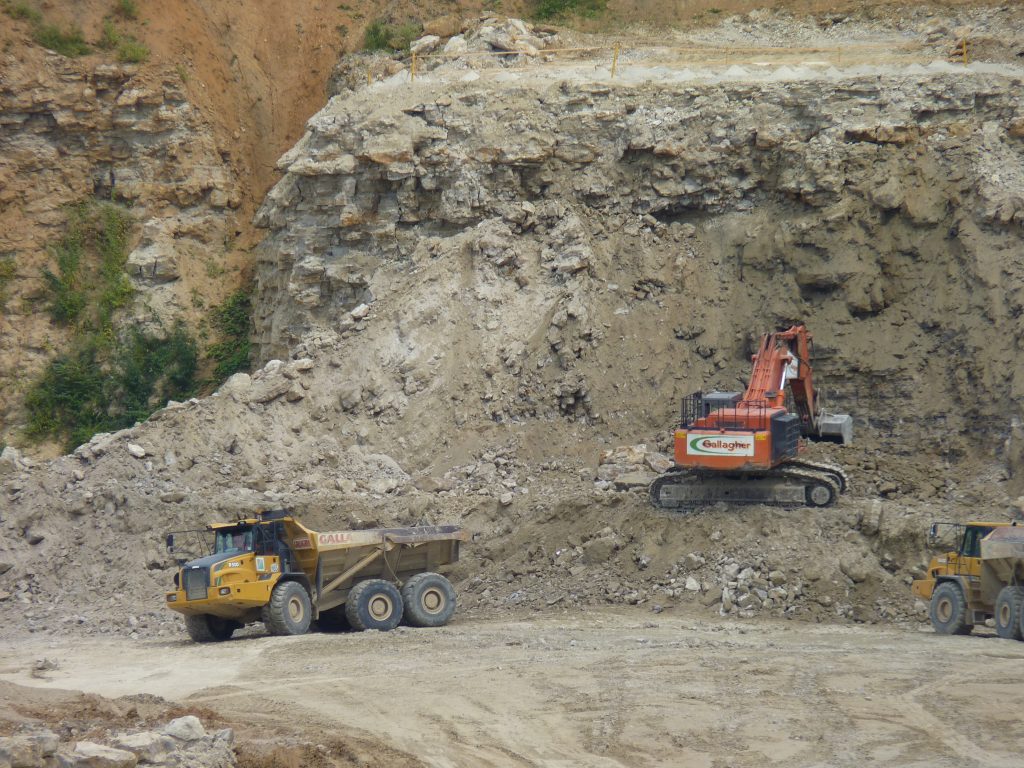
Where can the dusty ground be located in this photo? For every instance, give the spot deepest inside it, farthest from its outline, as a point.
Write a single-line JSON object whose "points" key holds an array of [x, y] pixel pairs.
{"points": [[595, 687]]}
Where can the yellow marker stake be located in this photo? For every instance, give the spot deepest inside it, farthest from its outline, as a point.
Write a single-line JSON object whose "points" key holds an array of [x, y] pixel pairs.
{"points": [[615, 60], [412, 71]]}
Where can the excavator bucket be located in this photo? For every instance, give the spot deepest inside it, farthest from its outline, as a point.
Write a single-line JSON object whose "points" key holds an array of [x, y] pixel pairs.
{"points": [[836, 428]]}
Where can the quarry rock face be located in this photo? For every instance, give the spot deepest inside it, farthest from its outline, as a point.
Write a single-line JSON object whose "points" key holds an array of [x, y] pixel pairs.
{"points": [[473, 289], [72, 131], [888, 206]]}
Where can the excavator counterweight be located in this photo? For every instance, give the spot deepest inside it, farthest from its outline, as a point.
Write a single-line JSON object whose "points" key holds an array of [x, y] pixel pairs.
{"points": [[745, 447]]}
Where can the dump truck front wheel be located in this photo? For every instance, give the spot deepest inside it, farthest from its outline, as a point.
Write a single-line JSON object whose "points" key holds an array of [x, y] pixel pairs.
{"points": [[374, 604], [429, 600], [289, 611], [948, 610], [209, 629], [1008, 612]]}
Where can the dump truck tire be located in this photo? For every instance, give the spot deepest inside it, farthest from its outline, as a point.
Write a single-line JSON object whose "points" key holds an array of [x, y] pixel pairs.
{"points": [[289, 611], [429, 600], [333, 620], [374, 604], [209, 629], [1008, 612], [948, 610]]}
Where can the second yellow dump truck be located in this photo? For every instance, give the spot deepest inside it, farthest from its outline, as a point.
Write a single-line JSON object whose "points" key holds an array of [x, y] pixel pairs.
{"points": [[273, 569], [983, 579]]}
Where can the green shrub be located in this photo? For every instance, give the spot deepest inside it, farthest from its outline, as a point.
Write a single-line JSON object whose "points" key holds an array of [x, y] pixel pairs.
{"points": [[131, 51], [99, 230], [101, 386], [232, 321], [550, 9], [68, 42], [127, 8], [375, 38], [381, 36]]}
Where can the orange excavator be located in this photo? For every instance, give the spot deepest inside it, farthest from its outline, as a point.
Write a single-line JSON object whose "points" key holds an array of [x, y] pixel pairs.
{"points": [[746, 447]]}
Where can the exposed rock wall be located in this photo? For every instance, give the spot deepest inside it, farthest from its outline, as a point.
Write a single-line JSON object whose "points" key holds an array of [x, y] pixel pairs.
{"points": [[886, 211], [74, 130]]}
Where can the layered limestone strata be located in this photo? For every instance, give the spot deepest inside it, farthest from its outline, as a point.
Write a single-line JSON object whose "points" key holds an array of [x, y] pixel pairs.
{"points": [[885, 210], [75, 130]]}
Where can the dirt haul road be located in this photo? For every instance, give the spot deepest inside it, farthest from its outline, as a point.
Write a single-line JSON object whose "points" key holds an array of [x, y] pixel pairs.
{"points": [[596, 688]]}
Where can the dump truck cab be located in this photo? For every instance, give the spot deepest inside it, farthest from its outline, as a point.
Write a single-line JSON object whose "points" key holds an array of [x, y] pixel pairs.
{"points": [[953, 584], [235, 581]]}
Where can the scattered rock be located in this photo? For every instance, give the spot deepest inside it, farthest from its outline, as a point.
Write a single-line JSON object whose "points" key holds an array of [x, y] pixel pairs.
{"points": [[88, 754], [187, 728]]}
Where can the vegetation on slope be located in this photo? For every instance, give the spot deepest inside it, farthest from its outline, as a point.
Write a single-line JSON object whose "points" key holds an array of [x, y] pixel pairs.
{"points": [[108, 378]]}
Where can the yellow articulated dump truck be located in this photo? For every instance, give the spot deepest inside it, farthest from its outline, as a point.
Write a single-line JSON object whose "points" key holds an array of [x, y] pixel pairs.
{"points": [[983, 579], [273, 569]]}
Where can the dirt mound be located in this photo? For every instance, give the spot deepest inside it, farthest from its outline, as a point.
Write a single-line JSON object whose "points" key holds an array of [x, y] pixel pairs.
{"points": [[41, 726]]}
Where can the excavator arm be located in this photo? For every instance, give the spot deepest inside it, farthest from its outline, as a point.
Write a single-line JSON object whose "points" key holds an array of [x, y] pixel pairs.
{"points": [[784, 357]]}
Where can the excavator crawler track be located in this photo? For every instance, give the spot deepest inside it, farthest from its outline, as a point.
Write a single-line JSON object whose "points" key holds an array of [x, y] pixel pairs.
{"points": [[834, 471], [795, 484]]}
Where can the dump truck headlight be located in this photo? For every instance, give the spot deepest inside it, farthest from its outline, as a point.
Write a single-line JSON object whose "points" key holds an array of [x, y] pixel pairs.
{"points": [[224, 591], [171, 598]]}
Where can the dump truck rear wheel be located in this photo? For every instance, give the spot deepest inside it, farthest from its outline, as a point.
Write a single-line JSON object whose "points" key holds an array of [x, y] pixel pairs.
{"points": [[429, 600], [209, 629], [1008, 612], [289, 611], [948, 610], [374, 604]]}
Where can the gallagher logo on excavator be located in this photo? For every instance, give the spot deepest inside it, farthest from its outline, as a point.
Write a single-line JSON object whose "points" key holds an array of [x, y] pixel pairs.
{"points": [[717, 445]]}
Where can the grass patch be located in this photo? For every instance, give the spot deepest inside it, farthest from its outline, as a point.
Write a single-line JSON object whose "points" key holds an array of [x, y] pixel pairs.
{"points": [[232, 321], [382, 36], [544, 10], [107, 379], [7, 272], [110, 37], [131, 51], [23, 11], [67, 42], [127, 9]]}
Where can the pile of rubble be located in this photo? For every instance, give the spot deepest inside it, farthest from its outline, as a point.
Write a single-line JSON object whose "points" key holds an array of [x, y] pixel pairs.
{"points": [[631, 466], [182, 743], [489, 36]]}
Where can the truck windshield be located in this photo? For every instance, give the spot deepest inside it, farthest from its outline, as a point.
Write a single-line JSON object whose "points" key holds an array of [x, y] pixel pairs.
{"points": [[234, 540], [972, 540]]}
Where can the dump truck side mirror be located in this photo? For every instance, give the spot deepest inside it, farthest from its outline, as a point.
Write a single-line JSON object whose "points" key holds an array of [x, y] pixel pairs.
{"points": [[933, 533], [170, 543]]}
